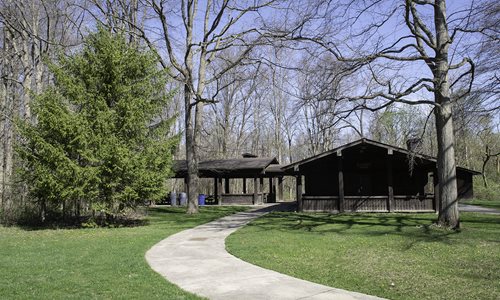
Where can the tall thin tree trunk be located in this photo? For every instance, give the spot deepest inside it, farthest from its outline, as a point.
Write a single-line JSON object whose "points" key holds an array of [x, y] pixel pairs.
{"points": [[43, 210], [483, 168], [498, 165], [361, 126], [3, 119], [3, 112], [191, 154], [448, 213], [8, 113], [27, 63]]}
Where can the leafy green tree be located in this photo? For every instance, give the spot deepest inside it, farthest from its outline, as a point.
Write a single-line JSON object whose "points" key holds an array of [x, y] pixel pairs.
{"points": [[100, 140]]}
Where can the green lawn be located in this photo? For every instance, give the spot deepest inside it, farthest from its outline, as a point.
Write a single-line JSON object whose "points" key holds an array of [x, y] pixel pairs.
{"points": [[398, 256], [485, 203], [98, 263]]}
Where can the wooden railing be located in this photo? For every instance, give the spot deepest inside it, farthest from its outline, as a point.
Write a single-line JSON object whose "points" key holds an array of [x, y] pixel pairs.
{"points": [[401, 203]]}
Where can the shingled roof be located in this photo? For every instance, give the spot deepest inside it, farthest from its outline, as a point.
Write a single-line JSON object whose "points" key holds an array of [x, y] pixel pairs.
{"points": [[234, 167], [366, 141]]}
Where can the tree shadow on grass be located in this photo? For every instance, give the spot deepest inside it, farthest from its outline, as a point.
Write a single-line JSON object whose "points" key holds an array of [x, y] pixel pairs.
{"points": [[416, 228], [143, 216], [83, 222], [55, 221]]}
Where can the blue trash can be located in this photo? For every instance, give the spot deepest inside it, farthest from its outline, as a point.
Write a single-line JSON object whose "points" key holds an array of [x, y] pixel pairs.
{"points": [[183, 199], [201, 199], [173, 199]]}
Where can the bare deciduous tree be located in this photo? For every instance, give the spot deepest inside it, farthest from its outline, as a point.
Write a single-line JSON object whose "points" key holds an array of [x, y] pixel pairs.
{"points": [[424, 40], [192, 47], [30, 31]]}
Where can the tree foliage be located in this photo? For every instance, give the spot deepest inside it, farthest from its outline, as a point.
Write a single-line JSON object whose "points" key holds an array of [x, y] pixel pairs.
{"points": [[100, 139]]}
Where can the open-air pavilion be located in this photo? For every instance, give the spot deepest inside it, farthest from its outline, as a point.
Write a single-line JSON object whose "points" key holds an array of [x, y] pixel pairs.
{"points": [[248, 168]]}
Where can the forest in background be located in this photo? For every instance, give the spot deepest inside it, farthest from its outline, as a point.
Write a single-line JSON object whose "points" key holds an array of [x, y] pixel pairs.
{"points": [[265, 77]]}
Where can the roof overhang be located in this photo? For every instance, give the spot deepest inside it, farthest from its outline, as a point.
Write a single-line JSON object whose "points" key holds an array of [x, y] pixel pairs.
{"points": [[237, 167], [391, 149]]}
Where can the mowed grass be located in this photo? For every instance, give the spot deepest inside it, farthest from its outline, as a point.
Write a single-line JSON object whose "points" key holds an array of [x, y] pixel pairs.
{"points": [[397, 256], [103, 263]]}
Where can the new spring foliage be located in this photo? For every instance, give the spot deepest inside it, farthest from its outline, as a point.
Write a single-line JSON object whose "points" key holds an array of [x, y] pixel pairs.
{"points": [[100, 138]]}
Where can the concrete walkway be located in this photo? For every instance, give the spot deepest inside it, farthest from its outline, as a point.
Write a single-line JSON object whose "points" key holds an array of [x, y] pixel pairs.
{"points": [[478, 209], [196, 260]]}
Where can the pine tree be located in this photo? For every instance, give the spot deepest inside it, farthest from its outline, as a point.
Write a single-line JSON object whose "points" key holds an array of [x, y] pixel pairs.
{"points": [[100, 140]]}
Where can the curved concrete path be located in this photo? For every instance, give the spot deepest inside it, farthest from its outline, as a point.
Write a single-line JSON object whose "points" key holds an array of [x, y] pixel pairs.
{"points": [[196, 260], [478, 209]]}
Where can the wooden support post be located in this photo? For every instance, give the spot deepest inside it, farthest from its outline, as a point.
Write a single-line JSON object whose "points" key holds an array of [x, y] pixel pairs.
{"points": [[255, 190], [219, 190], [280, 189], [226, 186], [390, 185], [270, 194], [341, 180], [261, 190], [186, 185], [272, 188], [436, 202], [298, 192], [216, 190], [244, 185]]}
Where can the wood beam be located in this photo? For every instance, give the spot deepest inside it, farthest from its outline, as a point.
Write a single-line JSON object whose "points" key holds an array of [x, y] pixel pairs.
{"points": [[272, 189], [219, 190], [298, 192], [226, 186], [244, 185], [216, 190], [255, 190], [340, 165], [280, 189], [261, 190], [390, 184], [436, 202]]}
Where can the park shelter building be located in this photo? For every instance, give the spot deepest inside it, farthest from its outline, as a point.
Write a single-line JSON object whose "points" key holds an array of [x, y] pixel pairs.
{"points": [[363, 175], [245, 169], [370, 176]]}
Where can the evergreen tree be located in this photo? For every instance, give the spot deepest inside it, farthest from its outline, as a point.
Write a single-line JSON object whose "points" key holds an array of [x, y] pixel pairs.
{"points": [[100, 139]]}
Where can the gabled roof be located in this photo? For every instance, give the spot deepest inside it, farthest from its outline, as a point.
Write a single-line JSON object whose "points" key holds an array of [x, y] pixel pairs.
{"points": [[227, 167], [275, 170], [368, 142]]}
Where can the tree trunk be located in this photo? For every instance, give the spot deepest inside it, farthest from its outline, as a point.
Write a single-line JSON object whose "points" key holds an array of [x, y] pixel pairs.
{"points": [[27, 64], [483, 169], [191, 155], [3, 101], [448, 195], [43, 210], [7, 134], [3, 112], [498, 165]]}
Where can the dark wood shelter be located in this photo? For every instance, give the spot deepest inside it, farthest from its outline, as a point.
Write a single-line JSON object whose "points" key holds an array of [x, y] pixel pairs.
{"points": [[366, 175], [247, 168]]}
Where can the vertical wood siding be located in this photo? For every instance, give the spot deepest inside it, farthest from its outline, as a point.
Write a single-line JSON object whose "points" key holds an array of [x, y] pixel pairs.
{"points": [[320, 203], [373, 203], [367, 204]]}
